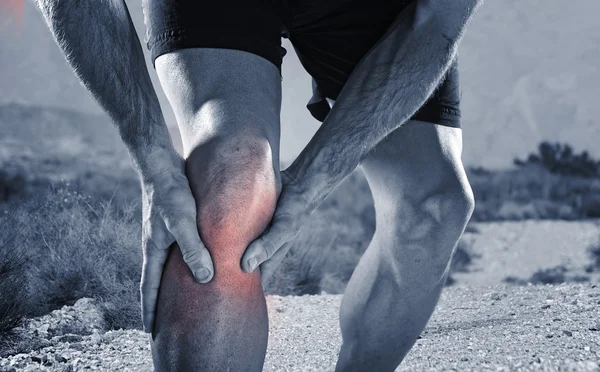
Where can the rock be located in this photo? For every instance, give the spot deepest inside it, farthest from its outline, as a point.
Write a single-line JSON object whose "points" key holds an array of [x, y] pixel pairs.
{"points": [[59, 358], [46, 360], [95, 338], [77, 346]]}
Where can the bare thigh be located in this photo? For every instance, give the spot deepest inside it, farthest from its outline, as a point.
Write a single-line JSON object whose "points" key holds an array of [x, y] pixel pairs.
{"points": [[415, 160], [223, 93]]}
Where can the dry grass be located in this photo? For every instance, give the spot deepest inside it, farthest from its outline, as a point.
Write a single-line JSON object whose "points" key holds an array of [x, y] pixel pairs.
{"points": [[72, 247], [14, 301]]}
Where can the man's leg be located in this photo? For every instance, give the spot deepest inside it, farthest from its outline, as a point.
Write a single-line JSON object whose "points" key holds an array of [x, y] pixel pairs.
{"points": [[227, 104], [423, 202]]}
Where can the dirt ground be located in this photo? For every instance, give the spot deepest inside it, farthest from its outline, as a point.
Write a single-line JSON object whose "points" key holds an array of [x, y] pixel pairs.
{"points": [[481, 323]]}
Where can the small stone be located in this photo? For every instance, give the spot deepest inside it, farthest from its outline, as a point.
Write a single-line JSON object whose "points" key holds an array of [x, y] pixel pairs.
{"points": [[59, 358], [568, 333], [36, 359], [76, 346], [495, 297], [44, 328], [546, 306], [95, 338]]}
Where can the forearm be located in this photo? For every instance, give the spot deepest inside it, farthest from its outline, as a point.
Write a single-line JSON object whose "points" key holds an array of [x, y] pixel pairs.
{"points": [[100, 43], [387, 87]]}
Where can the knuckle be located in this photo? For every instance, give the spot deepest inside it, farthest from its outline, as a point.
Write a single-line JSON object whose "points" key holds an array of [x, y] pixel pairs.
{"points": [[287, 229], [192, 257], [269, 247], [180, 222], [185, 222]]}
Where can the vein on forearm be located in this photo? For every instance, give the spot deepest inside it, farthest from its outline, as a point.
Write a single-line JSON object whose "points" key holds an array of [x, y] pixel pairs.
{"points": [[386, 88], [99, 41]]}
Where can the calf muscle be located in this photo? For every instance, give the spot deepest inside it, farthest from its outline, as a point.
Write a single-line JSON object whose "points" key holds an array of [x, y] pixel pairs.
{"points": [[222, 325]]}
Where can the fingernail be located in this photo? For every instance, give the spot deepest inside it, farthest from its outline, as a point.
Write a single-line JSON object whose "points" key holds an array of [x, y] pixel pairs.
{"points": [[252, 264], [202, 274]]}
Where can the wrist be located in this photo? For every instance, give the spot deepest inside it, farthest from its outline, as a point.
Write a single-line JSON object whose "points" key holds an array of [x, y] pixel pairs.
{"points": [[310, 179], [151, 162]]}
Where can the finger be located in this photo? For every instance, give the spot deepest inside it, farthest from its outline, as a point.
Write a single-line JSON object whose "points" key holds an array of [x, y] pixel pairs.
{"points": [[194, 253], [268, 268], [266, 245], [152, 267]]}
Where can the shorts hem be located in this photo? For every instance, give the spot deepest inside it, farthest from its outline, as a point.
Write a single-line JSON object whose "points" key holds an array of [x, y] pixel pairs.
{"points": [[175, 39]]}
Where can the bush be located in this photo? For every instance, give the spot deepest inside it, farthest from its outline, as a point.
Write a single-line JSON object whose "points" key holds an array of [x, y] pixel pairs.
{"points": [[554, 275], [533, 192], [560, 158]]}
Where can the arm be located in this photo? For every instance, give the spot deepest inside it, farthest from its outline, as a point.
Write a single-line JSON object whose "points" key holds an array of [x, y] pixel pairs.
{"points": [[100, 43], [386, 88]]}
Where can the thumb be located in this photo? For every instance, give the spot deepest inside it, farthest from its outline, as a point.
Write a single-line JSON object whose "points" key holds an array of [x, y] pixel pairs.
{"points": [[193, 250], [268, 244], [270, 266]]}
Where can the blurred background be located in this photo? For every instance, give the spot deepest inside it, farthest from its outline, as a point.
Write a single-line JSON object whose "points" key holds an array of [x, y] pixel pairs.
{"points": [[70, 202]]}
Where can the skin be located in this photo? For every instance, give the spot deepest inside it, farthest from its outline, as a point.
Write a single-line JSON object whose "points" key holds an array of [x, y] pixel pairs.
{"points": [[200, 325], [225, 100], [232, 164]]}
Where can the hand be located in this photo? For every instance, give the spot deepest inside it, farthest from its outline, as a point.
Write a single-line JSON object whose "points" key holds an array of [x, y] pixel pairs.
{"points": [[293, 209], [168, 216]]}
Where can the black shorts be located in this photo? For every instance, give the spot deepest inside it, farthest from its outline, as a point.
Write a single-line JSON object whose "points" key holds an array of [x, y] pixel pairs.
{"points": [[329, 36]]}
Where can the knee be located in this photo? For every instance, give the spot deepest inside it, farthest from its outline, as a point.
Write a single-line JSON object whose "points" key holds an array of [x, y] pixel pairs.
{"points": [[236, 185], [443, 209], [451, 205], [426, 229]]}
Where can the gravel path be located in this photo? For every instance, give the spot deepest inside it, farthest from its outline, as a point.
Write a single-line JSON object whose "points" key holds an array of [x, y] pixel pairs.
{"points": [[518, 249], [499, 328]]}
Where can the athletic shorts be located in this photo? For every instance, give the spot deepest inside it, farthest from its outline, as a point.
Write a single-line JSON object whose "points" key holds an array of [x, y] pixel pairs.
{"points": [[330, 37]]}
